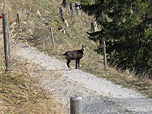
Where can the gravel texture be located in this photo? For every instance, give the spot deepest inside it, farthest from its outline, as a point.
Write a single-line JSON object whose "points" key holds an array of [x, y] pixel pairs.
{"points": [[99, 95]]}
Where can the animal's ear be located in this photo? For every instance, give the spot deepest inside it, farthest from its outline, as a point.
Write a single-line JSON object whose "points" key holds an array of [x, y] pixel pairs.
{"points": [[83, 46]]}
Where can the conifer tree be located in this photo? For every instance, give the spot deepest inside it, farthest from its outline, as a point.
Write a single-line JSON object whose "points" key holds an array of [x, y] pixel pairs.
{"points": [[126, 26]]}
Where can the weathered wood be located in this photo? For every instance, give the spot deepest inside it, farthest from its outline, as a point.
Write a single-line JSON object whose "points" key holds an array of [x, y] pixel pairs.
{"points": [[103, 16], [76, 105], [93, 26], [72, 9], [52, 37], [62, 16], [78, 8], [4, 6], [18, 20], [64, 3], [105, 57], [6, 41]]}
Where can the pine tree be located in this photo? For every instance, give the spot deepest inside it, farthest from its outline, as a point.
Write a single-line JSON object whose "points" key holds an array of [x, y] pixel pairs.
{"points": [[126, 27]]}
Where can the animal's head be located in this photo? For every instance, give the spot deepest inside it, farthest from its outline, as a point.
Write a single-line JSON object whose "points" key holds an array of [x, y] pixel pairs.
{"points": [[83, 48]]}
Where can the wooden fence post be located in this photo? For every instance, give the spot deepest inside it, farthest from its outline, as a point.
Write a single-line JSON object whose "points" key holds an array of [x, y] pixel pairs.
{"points": [[103, 16], [18, 20], [78, 8], [105, 58], [61, 14], [72, 9], [76, 105], [64, 3], [52, 37], [62, 17], [6, 41], [93, 26]]}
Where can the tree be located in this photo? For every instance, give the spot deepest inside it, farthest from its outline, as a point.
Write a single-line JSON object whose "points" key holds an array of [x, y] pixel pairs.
{"points": [[126, 27], [86, 1]]}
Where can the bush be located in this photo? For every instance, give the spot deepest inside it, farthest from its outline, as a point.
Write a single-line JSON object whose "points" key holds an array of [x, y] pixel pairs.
{"points": [[86, 1]]}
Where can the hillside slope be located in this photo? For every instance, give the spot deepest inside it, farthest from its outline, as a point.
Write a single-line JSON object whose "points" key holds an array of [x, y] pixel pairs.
{"points": [[36, 18], [99, 95], [20, 94]]}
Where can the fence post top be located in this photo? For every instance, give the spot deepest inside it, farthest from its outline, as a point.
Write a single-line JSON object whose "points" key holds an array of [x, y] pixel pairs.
{"points": [[4, 13], [76, 98]]}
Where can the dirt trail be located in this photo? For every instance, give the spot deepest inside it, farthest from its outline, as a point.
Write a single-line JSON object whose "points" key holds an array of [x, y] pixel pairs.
{"points": [[99, 95]]}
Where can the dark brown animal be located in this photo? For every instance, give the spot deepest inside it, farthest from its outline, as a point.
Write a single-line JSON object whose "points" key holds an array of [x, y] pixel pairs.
{"points": [[74, 55]]}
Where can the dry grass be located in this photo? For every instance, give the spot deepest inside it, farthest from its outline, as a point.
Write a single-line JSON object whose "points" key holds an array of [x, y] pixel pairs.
{"points": [[19, 94], [35, 31]]}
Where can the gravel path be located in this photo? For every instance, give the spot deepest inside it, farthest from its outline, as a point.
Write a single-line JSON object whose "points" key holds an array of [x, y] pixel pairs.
{"points": [[99, 95]]}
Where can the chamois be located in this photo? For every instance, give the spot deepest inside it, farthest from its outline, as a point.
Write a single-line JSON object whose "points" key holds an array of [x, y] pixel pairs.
{"points": [[74, 55]]}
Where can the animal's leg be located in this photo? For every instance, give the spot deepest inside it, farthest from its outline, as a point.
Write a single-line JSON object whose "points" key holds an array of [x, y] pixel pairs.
{"points": [[76, 63], [68, 63]]}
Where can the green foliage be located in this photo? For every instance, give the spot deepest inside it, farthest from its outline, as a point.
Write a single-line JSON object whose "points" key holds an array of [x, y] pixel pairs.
{"points": [[126, 27], [85, 1]]}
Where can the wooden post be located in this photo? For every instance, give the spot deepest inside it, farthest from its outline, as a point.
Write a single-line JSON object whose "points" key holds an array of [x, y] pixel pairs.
{"points": [[105, 58], [103, 16], [18, 20], [64, 3], [72, 8], [78, 8], [52, 37], [93, 26], [6, 41], [61, 14], [76, 105], [62, 17]]}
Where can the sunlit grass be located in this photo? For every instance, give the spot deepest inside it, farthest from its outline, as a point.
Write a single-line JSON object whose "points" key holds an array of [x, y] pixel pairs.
{"points": [[36, 32]]}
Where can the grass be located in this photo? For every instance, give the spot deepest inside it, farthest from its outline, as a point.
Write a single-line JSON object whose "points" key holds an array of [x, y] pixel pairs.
{"points": [[36, 33], [20, 95]]}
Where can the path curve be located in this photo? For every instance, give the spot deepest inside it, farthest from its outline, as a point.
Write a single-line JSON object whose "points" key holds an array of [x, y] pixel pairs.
{"points": [[99, 95]]}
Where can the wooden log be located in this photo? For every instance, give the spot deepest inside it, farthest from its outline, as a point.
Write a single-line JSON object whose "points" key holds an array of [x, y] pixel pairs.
{"points": [[6, 41], [76, 105]]}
